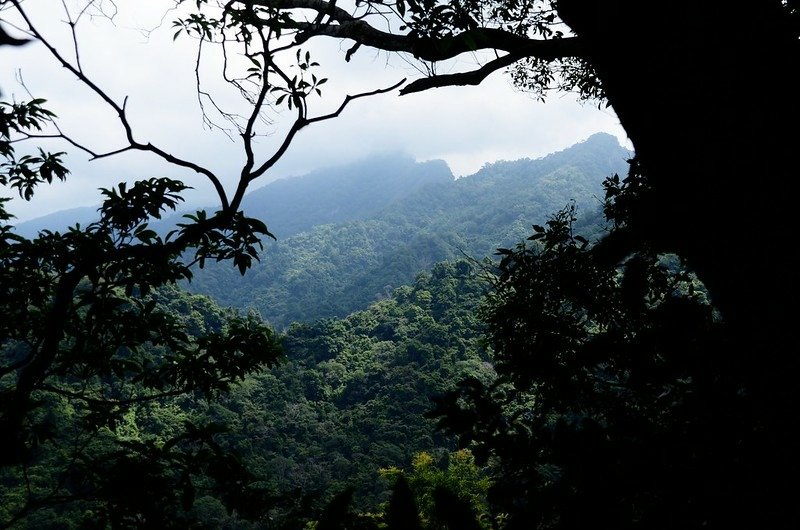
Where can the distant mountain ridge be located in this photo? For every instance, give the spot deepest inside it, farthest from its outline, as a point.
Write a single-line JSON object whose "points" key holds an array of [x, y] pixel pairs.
{"points": [[291, 205], [334, 269], [57, 221], [340, 194]]}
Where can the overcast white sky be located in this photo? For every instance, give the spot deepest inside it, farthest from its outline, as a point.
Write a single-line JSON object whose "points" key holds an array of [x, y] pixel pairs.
{"points": [[465, 126]]}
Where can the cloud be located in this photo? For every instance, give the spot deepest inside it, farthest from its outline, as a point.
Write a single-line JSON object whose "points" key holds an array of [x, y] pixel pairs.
{"points": [[465, 126]]}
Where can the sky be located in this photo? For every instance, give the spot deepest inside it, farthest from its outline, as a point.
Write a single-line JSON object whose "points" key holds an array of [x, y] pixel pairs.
{"points": [[465, 126]]}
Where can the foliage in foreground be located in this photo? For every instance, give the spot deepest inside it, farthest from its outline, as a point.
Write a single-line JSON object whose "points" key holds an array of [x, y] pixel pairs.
{"points": [[87, 336], [612, 406]]}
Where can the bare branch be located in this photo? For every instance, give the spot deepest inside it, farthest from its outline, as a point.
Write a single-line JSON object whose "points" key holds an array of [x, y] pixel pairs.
{"points": [[247, 135], [121, 112], [348, 99], [473, 77], [230, 118], [61, 135], [71, 141], [301, 123], [8, 40], [351, 51], [235, 82], [72, 23], [106, 401]]}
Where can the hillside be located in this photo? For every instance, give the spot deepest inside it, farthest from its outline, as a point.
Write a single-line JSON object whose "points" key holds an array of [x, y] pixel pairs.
{"points": [[334, 269], [353, 395]]}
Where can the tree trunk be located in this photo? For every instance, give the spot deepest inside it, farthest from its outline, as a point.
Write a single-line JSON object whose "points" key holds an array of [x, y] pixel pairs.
{"points": [[708, 94]]}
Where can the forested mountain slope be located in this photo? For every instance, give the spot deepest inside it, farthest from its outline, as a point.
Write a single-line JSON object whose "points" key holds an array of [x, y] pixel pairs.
{"points": [[352, 397], [334, 269]]}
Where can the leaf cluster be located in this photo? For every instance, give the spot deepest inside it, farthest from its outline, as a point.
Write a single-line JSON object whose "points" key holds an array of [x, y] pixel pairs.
{"points": [[26, 172], [437, 19]]}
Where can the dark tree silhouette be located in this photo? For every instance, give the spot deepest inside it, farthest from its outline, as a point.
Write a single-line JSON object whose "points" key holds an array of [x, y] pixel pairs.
{"points": [[613, 406], [705, 95], [402, 512]]}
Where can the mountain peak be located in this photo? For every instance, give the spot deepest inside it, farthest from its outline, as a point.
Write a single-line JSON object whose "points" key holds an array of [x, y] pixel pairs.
{"points": [[343, 193]]}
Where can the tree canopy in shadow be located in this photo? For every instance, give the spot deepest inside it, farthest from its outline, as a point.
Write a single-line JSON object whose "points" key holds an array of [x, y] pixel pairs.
{"points": [[616, 404]]}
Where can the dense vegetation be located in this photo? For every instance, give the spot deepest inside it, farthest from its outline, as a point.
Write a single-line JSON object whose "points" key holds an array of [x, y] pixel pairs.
{"points": [[124, 442], [349, 401], [601, 412], [572, 365], [569, 351], [352, 397], [86, 338]]}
